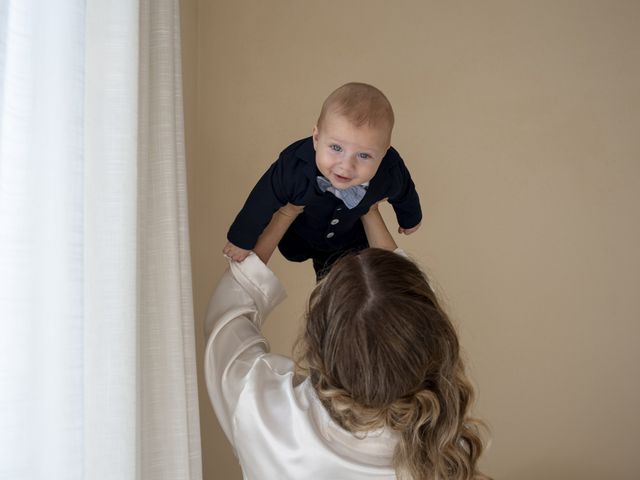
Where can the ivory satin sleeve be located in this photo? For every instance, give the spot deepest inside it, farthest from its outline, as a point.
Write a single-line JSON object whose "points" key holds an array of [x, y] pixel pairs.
{"points": [[245, 295]]}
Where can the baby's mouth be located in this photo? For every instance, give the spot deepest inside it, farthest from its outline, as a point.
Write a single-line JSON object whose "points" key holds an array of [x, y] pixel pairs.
{"points": [[341, 179]]}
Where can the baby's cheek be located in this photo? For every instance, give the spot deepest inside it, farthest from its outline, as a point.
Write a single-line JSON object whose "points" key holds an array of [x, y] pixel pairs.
{"points": [[370, 172]]}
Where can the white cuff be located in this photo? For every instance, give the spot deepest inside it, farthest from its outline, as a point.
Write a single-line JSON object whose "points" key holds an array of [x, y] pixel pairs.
{"points": [[259, 282]]}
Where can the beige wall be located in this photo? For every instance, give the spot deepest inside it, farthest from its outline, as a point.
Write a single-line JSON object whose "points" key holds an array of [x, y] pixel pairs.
{"points": [[520, 122]]}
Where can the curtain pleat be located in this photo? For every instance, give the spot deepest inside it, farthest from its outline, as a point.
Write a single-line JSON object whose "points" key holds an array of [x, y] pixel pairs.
{"points": [[164, 262]]}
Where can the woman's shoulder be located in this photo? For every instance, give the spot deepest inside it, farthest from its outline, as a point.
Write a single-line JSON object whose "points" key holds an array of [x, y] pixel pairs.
{"points": [[271, 393], [285, 401], [269, 375]]}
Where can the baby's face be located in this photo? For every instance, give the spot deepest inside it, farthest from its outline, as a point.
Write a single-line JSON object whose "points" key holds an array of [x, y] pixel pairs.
{"points": [[348, 155]]}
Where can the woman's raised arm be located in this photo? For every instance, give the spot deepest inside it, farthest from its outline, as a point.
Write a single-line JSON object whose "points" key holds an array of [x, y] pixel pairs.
{"points": [[378, 234]]}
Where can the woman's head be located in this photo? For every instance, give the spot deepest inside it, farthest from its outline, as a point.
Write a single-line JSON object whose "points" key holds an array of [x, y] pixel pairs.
{"points": [[380, 351], [376, 330]]}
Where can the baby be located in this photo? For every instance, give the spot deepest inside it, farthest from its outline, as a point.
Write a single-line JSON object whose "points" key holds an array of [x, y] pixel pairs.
{"points": [[336, 175]]}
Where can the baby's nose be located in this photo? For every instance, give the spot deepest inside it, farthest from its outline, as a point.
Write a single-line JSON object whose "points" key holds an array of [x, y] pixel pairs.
{"points": [[349, 162]]}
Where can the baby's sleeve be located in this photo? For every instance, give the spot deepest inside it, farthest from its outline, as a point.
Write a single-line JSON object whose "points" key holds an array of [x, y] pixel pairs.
{"points": [[272, 191], [404, 197]]}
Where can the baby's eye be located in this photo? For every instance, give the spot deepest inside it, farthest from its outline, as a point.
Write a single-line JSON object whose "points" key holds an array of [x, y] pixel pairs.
{"points": [[335, 148], [364, 155]]}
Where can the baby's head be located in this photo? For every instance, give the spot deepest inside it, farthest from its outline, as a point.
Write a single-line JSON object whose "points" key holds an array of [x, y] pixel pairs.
{"points": [[352, 135]]}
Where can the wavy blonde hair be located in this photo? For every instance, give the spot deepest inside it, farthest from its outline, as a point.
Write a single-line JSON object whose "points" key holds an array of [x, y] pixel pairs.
{"points": [[380, 351]]}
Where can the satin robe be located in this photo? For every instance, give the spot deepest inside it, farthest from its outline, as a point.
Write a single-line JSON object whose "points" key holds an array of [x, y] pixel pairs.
{"points": [[278, 429]]}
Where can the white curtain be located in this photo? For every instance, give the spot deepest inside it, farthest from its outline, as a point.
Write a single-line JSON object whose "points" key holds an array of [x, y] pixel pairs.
{"points": [[97, 350]]}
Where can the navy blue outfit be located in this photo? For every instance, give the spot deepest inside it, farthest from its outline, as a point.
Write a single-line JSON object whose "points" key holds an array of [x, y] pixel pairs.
{"points": [[326, 229]]}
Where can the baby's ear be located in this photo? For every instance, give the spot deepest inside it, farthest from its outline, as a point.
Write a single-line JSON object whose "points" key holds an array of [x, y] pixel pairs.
{"points": [[314, 135]]}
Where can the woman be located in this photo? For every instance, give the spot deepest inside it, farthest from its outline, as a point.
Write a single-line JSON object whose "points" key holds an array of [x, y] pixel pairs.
{"points": [[384, 393]]}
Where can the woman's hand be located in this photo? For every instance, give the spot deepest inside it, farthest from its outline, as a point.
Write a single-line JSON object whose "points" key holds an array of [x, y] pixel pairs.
{"points": [[409, 231], [235, 253]]}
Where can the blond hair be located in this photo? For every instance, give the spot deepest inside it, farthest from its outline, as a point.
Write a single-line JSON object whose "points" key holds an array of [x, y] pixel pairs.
{"points": [[361, 104], [381, 352]]}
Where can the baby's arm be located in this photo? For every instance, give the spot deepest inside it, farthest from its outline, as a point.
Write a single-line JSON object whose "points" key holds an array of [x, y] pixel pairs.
{"points": [[273, 233], [377, 233], [283, 182], [404, 199], [269, 238]]}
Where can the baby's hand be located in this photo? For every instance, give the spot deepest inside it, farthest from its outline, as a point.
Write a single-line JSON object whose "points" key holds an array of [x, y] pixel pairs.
{"points": [[409, 231], [235, 253]]}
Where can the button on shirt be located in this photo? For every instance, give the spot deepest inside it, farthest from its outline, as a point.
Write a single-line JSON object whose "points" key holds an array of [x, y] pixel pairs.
{"points": [[278, 429]]}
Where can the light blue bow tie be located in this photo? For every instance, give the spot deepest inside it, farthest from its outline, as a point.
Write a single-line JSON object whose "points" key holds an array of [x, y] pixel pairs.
{"points": [[350, 196]]}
